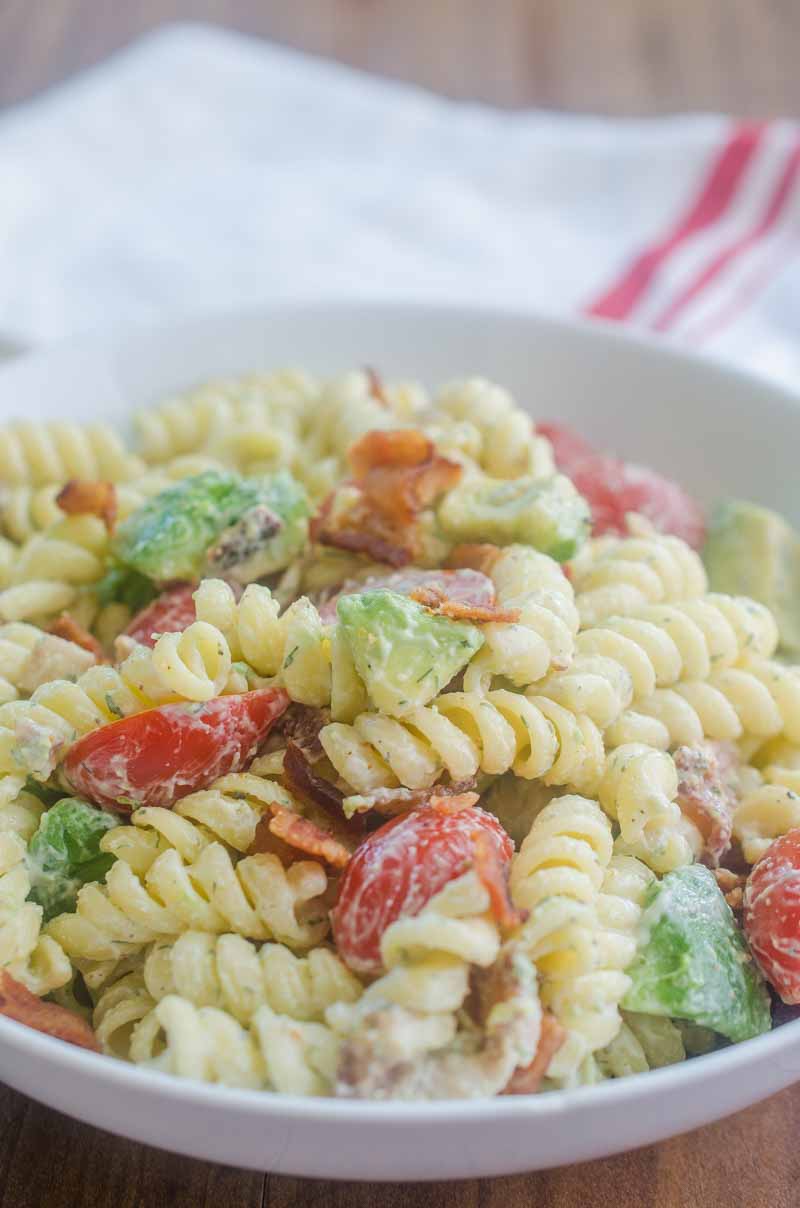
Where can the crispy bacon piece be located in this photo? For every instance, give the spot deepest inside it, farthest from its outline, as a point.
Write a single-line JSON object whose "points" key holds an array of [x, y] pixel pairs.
{"points": [[265, 842], [17, 1002], [301, 779], [396, 473], [79, 498], [732, 885], [493, 875], [435, 600], [302, 725], [706, 795], [67, 627], [376, 387], [526, 1081], [305, 836], [390, 802], [473, 556]]}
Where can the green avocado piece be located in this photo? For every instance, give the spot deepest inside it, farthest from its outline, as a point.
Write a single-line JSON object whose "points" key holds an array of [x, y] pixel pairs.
{"points": [[171, 535], [752, 551], [694, 964], [547, 513], [404, 654], [65, 854]]}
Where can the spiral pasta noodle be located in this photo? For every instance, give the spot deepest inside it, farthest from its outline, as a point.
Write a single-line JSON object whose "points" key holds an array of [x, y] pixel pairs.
{"points": [[172, 874], [34, 959], [225, 972], [205, 418], [615, 576], [482, 420], [628, 658], [428, 956], [34, 454], [209, 1045], [311, 661], [231, 973], [763, 815], [557, 877], [17, 641], [757, 698], [544, 636], [638, 791], [463, 733]]}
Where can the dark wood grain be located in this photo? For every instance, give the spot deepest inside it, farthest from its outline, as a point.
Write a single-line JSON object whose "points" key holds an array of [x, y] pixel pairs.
{"points": [[614, 56]]}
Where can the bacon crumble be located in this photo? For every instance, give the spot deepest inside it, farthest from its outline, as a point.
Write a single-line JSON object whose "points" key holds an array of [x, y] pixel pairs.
{"points": [[80, 497], [391, 802], [434, 600], [305, 836], [706, 795], [493, 875], [395, 475], [67, 627], [301, 779], [526, 1080], [17, 1003]]}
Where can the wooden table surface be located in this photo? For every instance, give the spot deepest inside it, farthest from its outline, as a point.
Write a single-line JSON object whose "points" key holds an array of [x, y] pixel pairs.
{"points": [[610, 56]]}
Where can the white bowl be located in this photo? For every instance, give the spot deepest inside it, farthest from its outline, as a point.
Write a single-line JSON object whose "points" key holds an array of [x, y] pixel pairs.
{"points": [[715, 430]]}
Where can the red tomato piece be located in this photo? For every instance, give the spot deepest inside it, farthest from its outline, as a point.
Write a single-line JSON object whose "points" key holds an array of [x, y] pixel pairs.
{"points": [[171, 612], [772, 915], [569, 447], [613, 487], [397, 870], [156, 757]]}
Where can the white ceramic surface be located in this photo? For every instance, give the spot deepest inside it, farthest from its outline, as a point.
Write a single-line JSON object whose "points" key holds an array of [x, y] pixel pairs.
{"points": [[716, 430]]}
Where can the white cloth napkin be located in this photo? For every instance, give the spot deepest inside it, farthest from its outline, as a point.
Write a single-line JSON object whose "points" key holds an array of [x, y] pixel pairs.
{"points": [[200, 170]]}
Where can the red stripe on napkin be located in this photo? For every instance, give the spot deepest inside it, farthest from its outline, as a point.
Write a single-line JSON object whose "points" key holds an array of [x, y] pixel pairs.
{"points": [[776, 204], [716, 194]]}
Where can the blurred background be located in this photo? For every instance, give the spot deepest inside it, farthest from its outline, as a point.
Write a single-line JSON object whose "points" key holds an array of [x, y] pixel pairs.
{"points": [[605, 56]]}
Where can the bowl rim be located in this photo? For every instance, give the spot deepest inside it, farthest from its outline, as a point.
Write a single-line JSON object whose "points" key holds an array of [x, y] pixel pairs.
{"points": [[681, 1076]]}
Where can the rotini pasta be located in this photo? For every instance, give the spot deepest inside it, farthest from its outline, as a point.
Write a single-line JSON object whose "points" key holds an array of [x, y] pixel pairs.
{"points": [[480, 420], [231, 973], [616, 576], [463, 733], [544, 636], [34, 454], [638, 792], [627, 657], [34, 959], [209, 1045], [313, 664], [557, 877], [172, 875]]}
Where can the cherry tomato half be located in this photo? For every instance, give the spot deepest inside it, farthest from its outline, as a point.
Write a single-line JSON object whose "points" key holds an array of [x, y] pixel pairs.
{"points": [[156, 757], [399, 868], [171, 612], [772, 915], [613, 488]]}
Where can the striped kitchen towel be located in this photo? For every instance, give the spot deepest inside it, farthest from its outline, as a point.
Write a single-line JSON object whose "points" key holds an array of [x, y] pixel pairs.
{"points": [[201, 169]]}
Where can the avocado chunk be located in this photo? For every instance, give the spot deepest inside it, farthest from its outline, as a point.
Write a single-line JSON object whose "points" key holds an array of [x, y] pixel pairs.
{"points": [[694, 964], [404, 654], [65, 854], [247, 526], [547, 513], [752, 551]]}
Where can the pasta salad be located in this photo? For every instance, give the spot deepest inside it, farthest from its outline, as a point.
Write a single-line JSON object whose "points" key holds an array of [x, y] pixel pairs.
{"points": [[366, 743]]}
